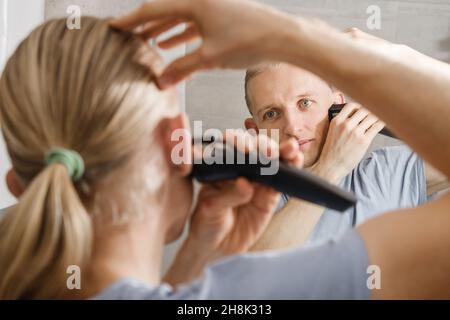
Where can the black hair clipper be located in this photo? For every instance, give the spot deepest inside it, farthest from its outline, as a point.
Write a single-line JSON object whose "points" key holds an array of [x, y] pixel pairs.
{"points": [[336, 108], [287, 179]]}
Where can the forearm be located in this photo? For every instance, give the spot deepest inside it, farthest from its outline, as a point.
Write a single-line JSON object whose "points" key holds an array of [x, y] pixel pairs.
{"points": [[293, 225], [290, 227], [407, 90], [411, 248], [188, 264]]}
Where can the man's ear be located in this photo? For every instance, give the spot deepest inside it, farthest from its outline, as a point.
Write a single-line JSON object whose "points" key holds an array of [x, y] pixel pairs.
{"points": [[14, 184], [250, 124], [176, 139], [338, 97]]}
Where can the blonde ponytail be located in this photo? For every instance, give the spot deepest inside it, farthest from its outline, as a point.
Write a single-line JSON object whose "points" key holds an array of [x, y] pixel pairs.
{"points": [[48, 231], [84, 90]]}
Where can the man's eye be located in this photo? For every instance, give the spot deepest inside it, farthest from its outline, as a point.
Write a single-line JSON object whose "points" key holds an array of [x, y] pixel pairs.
{"points": [[272, 114], [305, 103]]}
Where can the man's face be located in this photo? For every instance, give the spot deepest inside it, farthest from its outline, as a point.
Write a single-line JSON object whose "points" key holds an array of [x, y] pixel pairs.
{"points": [[295, 102]]}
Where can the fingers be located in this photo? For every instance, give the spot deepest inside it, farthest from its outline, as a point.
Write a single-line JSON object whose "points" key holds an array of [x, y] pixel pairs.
{"points": [[180, 69], [241, 140], [245, 142], [347, 111], [155, 29], [150, 11], [264, 200], [226, 194], [358, 117], [188, 35], [268, 147], [361, 121], [358, 34], [290, 152], [367, 123], [375, 129]]}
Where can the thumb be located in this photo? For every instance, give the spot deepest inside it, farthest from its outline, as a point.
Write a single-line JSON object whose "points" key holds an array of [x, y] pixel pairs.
{"points": [[226, 195], [180, 69]]}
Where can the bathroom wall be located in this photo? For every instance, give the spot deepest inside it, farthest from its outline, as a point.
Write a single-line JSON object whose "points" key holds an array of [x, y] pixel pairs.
{"points": [[217, 98], [99, 8]]}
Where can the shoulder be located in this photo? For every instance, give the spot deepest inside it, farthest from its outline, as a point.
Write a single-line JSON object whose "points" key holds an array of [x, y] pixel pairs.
{"points": [[133, 289], [397, 172], [301, 273], [384, 171], [388, 158], [390, 154]]}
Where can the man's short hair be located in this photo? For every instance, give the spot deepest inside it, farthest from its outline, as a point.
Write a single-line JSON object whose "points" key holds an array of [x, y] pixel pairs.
{"points": [[253, 72], [250, 74]]}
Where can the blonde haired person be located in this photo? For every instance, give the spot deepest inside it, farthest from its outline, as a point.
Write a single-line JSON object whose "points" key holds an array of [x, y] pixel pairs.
{"points": [[89, 136], [334, 270]]}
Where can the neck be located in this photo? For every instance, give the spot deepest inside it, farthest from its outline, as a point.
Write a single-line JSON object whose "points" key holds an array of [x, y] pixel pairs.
{"points": [[134, 251]]}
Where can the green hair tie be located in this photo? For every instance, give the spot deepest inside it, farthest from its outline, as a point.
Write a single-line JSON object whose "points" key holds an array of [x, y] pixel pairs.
{"points": [[71, 159]]}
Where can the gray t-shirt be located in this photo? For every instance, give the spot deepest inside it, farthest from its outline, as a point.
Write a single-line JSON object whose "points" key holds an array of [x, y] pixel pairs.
{"points": [[389, 178], [335, 270]]}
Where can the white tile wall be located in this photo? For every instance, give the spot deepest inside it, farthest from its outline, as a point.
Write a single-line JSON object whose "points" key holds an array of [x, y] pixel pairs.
{"points": [[217, 98]]}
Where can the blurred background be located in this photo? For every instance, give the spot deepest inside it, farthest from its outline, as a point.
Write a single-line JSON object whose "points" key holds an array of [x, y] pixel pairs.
{"points": [[217, 98]]}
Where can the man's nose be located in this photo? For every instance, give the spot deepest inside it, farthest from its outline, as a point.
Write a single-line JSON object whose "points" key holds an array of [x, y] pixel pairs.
{"points": [[293, 126]]}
